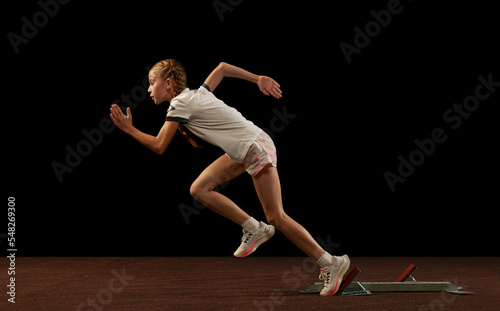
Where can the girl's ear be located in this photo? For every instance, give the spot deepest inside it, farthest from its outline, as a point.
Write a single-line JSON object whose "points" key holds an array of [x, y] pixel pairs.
{"points": [[168, 83]]}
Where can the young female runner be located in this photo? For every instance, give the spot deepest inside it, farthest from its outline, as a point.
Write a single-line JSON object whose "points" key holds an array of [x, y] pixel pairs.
{"points": [[247, 147]]}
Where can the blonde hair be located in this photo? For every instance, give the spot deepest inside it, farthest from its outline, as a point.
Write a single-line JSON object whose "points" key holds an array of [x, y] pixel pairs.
{"points": [[170, 68]]}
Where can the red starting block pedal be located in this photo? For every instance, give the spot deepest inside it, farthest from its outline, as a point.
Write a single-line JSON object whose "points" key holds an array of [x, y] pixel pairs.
{"points": [[408, 273], [348, 280]]}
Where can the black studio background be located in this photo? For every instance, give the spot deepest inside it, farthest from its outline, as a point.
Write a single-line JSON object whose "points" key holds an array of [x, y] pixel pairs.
{"points": [[338, 128]]}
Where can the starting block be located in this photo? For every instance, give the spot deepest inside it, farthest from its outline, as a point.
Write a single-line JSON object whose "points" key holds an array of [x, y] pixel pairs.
{"points": [[350, 288]]}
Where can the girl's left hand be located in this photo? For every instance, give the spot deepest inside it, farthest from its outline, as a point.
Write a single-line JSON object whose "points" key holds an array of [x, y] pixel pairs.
{"points": [[269, 87], [123, 122]]}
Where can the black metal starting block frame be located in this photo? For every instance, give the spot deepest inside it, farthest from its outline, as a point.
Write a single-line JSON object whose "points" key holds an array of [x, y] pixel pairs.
{"points": [[350, 288]]}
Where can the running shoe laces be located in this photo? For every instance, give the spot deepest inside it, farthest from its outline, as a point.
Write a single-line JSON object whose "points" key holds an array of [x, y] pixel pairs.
{"points": [[247, 235], [326, 275]]}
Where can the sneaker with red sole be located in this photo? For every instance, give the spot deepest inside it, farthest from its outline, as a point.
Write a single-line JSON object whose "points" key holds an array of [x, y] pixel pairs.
{"points": [[333, 275], [252, 239]]}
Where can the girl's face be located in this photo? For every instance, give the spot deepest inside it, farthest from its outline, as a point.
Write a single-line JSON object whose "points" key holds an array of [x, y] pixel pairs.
{"points": [[160, 90]]}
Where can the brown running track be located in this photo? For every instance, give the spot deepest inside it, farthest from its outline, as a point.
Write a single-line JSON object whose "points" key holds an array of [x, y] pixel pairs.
{"points": [[222, 283]]}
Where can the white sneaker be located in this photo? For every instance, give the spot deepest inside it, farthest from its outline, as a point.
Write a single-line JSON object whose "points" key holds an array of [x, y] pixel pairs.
{"points": [[254, 238], [333, 276]]}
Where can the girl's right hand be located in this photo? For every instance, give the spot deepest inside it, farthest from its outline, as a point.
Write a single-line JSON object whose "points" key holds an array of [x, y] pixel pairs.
{"points": [[269, 87]]}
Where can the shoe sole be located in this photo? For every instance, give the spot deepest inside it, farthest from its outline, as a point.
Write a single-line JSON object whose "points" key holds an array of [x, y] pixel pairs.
{"points": [[258, 242], [340, 277]]}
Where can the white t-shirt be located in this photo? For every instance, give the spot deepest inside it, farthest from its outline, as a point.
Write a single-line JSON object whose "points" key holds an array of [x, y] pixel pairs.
{"points": [[212, 120]]}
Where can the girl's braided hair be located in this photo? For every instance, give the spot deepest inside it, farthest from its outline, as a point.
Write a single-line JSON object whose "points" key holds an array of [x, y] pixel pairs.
{"points": [[170, 68]]}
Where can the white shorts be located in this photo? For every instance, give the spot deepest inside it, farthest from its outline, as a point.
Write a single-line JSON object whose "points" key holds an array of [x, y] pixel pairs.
{"points": [[261, 154]]}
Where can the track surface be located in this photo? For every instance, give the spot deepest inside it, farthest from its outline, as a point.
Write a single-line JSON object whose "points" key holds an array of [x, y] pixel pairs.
{"points": [[220, 283]]}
